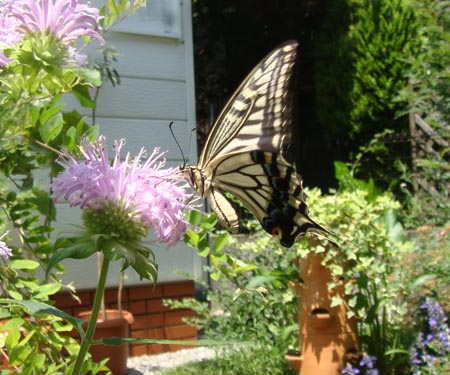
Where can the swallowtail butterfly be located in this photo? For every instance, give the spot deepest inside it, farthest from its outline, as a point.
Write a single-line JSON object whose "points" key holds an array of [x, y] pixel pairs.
{"points": [[245, 153]]}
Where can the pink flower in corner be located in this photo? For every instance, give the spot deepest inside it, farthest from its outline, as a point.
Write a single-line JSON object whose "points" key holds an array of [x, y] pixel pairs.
{"points": [[65, 20], [125, 197]]}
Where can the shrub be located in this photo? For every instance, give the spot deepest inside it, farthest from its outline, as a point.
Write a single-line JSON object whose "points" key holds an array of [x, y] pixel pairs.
{"points": [[360, 71]]}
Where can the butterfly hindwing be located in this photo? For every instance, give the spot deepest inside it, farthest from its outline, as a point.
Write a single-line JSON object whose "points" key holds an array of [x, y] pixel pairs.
{"points": [[271, 189]]}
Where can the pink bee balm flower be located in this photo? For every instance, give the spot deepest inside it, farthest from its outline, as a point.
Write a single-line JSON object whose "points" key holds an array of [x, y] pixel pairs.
{"points": [[64, 20], [5, 251], [125, 198], [8, 35]]}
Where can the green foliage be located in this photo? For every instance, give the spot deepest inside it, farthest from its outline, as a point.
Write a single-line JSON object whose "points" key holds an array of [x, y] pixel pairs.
{"points": [[199, 239], [428, 94], [34, 336], [360, 71], [246, 360], [33, 127], [371, 246], [382, 35], [429, 205], [382, 262], [259, 306], [430, 277], [256, 308], [429, 63], [383, 265]]}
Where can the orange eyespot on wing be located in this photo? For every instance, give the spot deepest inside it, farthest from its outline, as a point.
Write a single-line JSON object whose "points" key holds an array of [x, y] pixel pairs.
{"points": [[276, 231]]}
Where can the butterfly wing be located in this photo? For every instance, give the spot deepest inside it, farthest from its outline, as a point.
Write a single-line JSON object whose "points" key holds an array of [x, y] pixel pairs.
{"points": [[270, 188], [258, 115], [243, 154]]}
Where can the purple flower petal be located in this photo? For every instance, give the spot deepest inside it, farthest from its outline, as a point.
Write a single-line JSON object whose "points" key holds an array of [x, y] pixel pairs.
{"points": [[152, 195], [67, 20], [5, 251]]}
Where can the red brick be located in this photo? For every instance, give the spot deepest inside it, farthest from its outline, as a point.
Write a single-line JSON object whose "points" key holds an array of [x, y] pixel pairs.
{"points": [[176, 317], [110, 296], [141, 333], [156, 305], [156, 333], [185, 288], [138, 349], [138, 307], [145, 292], [157, 349], [180, 332], [148, 321]]}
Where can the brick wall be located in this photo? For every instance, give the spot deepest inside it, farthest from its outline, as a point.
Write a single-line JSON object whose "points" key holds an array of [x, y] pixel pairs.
{"points": [[151, 318]]}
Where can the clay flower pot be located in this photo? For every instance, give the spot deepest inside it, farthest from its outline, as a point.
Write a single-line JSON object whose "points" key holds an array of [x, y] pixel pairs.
{"points": [[115, 325], [294, 360]]}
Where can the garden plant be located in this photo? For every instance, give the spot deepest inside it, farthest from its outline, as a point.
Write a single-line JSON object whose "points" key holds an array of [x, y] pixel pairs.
{"points": [[394, 242], [121, 200]]}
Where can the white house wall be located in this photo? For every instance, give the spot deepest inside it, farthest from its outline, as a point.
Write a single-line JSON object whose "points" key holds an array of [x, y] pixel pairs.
{"points": [[157, 87]]}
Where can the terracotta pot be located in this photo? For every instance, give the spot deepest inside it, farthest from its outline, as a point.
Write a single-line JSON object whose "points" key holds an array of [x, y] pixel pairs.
{"points": [[294, 361], [115, 325]]}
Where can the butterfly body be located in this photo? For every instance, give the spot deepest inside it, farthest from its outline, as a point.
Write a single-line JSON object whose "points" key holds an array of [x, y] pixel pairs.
{"points": [[245, 153]]}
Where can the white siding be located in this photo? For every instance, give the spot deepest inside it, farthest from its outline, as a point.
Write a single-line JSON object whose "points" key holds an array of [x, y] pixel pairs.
{"points": [[157, 87]]}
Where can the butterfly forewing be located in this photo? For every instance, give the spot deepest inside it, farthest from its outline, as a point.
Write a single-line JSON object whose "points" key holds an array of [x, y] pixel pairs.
{"points": [[259, 113]]}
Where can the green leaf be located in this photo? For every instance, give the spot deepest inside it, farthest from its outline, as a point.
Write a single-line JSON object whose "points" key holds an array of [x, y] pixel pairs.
{"points": [[14, 294], [146, 268], [220, 242], [91, 76], [194, 217], [51, 128], [12, 324], [50, 112], [192, 238], [204, 251], [116, 341], [336, 301], [18, 354], [13, 336], [24, 264], [46, 290], [80, 250], [81, 92], [257, 281]]}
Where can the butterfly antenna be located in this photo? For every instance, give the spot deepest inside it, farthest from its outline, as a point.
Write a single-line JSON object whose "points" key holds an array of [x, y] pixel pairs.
{"points": [[178, 145], [190, 140]]}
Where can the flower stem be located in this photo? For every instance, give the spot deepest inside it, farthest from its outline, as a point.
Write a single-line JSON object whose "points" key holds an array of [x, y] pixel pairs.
{"points": [[87, 339]]}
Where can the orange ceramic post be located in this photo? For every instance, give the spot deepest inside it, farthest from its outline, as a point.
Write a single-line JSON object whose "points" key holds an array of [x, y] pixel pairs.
{"points": [[327, 336]]}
